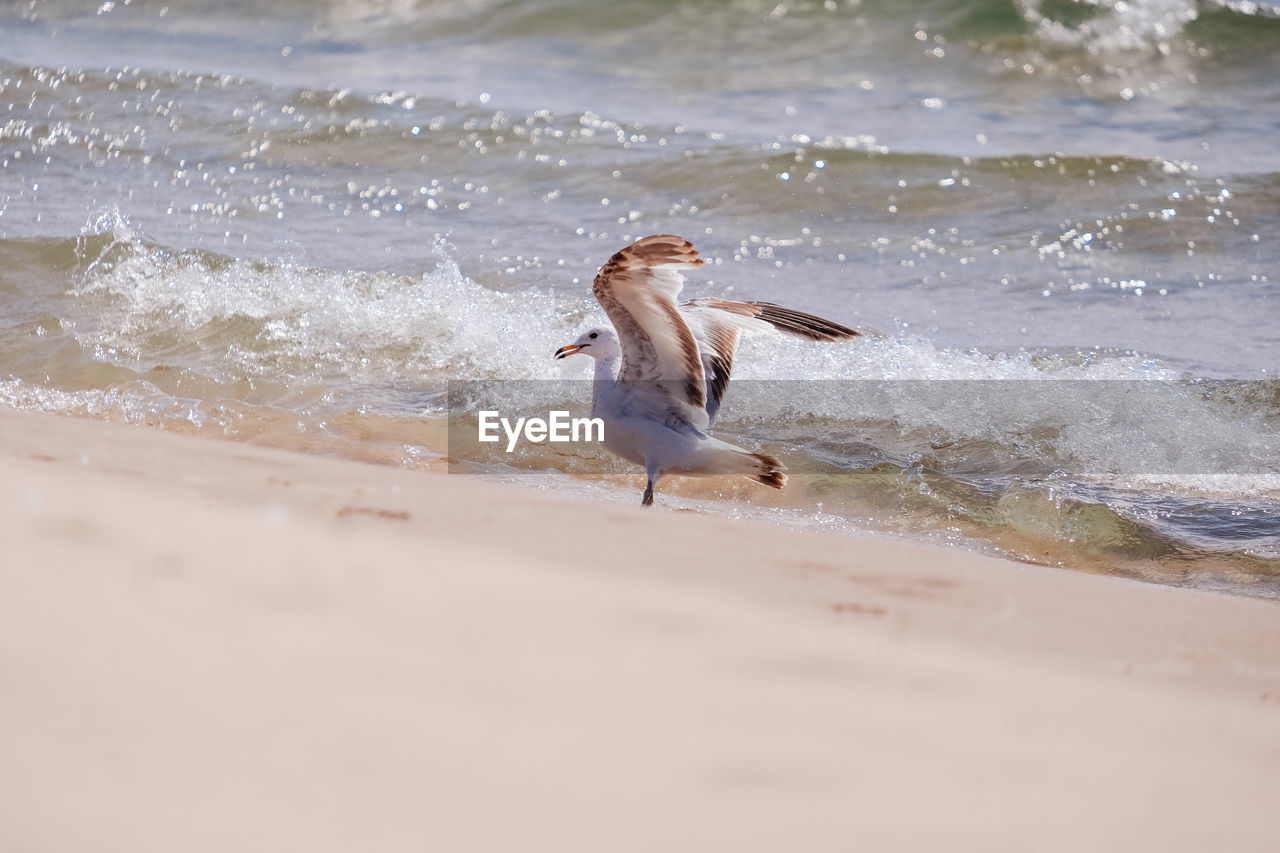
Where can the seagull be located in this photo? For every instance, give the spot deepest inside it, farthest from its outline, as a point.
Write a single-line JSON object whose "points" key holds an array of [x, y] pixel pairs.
{"points": [[662, 370]]}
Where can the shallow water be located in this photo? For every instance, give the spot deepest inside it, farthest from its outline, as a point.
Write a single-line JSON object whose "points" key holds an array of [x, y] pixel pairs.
{"points": [[294, 222]]}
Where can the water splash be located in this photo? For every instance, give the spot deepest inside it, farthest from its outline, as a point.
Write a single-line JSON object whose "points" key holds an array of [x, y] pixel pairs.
{"points": [[1111, 26], [1104, 26], [144, 305]]}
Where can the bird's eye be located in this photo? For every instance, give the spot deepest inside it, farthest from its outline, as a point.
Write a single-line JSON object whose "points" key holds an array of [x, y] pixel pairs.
{"points": [[593, 335]]}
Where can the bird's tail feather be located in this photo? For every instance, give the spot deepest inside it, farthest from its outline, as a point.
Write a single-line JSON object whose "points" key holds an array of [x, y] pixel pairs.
{"points": [[724, 458], [769, 471]]}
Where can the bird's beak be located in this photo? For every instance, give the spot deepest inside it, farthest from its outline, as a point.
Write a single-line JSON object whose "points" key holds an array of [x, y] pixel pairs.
{"points": [[570, 350]]}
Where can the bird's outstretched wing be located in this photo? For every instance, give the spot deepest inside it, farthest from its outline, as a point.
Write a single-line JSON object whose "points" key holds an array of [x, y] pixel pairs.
{"points": [[661, 361], [717, 324]]}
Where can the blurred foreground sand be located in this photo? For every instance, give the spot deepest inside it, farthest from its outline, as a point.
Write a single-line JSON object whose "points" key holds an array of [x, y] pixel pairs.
{"points": [[208, 646]]}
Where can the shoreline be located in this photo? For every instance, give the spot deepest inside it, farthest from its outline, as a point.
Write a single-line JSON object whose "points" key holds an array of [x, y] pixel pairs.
{"points": [[209, 644]]}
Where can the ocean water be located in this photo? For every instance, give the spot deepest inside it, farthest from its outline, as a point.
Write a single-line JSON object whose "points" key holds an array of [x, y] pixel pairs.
{"points": [[1057, 222]]}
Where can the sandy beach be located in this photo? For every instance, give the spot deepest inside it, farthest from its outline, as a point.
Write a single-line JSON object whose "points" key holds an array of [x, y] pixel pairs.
{"points": [[210, 646], [263, 265]]}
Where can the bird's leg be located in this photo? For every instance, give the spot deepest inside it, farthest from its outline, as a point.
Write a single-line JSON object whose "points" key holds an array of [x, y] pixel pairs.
{"points": [[651, 468]]}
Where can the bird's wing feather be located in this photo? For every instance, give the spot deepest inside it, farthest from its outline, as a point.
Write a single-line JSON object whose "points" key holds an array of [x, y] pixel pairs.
{"points": [[638, 288], [786, 320], [717, 324], [717, 333]]}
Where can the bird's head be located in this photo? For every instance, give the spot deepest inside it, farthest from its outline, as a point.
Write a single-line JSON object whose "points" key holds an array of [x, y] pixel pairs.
{"points": [[597, 343]]}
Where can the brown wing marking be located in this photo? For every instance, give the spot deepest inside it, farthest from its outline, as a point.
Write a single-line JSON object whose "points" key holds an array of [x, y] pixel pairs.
{"points": [[787, 320], [640, 270]]}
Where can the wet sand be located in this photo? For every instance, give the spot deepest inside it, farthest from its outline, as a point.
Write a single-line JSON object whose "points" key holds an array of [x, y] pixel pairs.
{"points": [[208, 646]]}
